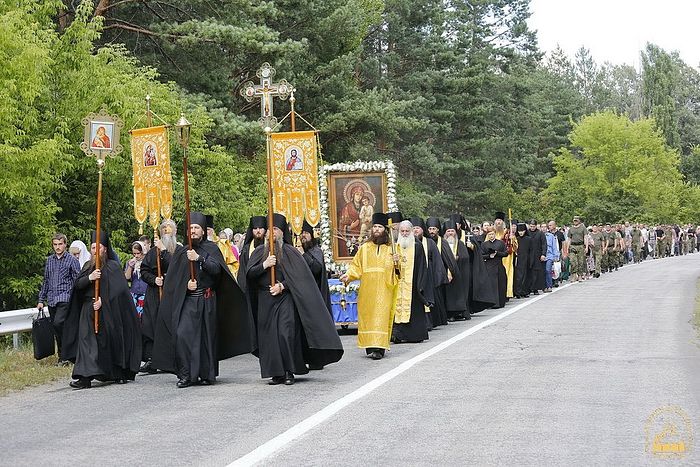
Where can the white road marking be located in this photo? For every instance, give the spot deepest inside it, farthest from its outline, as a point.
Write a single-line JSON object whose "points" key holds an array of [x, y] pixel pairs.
{"points": [[278, 442]]}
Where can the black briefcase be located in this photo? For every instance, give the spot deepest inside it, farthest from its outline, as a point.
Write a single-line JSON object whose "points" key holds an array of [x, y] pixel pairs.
{"points": [[43, 336]]}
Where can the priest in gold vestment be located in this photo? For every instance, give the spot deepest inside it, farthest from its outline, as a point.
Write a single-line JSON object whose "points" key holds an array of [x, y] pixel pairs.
{"points": [[503, 233], [375, 265]]}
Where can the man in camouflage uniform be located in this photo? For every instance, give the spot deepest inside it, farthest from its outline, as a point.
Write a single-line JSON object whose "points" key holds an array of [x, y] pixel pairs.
{"points": [[578, 246], [636, 235], [597, 249], [607, 248]]}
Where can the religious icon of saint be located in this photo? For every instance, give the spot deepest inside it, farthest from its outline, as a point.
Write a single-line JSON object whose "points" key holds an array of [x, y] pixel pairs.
{"points": [[101, 140], [149, 156], [294, 162]]}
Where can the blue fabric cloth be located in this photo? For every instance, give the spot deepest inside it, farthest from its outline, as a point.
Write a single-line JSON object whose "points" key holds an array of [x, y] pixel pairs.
{"points": [[59, 276], [138, 286], [552, 247]]}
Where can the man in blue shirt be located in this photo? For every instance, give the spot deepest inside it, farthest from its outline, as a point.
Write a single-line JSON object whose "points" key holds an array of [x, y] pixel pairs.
{"points": [[552, 256], [59, 275]]}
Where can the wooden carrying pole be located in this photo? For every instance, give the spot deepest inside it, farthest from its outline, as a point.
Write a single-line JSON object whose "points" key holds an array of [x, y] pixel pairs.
{"points": [[187, 209], [270, 214], [98, 243], [156, 236]]}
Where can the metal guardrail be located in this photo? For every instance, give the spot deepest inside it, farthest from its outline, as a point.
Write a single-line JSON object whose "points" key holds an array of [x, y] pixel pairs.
{"points": [[16, 321]]}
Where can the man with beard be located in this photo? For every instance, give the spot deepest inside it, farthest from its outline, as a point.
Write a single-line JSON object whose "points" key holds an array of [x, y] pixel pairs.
{"points": [[313, 256], [457, 290], [113, 353], [374, 265], [449, 271], [522, 262], [538, 253], [410, 323], [493, 251], [254, 237], [293, 323], [505, 276], [200, 321], [165, 248], [437, 275]]}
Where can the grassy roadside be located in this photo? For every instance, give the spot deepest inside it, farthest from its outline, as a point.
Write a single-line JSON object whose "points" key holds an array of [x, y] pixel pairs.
{"points": [[19, 370]]}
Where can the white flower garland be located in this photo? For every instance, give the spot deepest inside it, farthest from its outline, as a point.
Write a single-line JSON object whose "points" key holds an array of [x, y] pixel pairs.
{"points": [[360, 166]]}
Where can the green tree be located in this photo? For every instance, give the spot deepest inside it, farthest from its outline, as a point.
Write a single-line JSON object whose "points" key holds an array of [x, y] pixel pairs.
{"points": [[616, 169]]}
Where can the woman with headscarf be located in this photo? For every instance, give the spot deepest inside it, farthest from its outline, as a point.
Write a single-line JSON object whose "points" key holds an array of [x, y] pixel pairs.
{"points": [[79, 250], [132, 273], [522, 262]]}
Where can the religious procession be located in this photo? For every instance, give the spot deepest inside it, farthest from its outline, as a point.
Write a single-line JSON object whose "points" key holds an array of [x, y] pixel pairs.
{"points": [[333, 251]]}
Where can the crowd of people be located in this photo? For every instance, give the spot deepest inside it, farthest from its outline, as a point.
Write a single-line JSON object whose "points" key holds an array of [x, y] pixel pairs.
{"points": [[182, 307]]}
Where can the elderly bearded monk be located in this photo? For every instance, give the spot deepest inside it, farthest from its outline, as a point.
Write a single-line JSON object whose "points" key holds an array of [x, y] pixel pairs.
{"points": [[410, 323], [293, 323], [165, 247], [114, 352], [204, 320], [457, 291], [376, 267]]}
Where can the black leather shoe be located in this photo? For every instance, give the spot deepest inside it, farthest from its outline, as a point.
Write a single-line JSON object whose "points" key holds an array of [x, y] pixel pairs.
{"points": [[289, 379], [121, 381], [183, 383], [207, 382], [376, 355], [147, 367], [82, 383], [315, 366], [276, 380]]}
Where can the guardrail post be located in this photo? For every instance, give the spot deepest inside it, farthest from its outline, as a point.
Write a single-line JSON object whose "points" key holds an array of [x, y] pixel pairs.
{"points": [[15, 340]]}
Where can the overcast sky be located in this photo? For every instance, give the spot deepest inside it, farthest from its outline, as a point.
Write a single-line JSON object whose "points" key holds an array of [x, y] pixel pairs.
{"points": [[616, 30]]}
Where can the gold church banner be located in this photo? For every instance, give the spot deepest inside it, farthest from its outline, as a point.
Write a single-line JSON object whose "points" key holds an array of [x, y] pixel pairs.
{"points": [[153, 183], [295, 177]]}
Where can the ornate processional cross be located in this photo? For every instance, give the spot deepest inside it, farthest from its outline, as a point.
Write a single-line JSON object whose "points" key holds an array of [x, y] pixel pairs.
{"points": [[266, 91]]}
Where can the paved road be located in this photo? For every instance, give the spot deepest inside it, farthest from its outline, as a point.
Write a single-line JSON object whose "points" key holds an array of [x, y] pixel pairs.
{"points": [[567, 379]]}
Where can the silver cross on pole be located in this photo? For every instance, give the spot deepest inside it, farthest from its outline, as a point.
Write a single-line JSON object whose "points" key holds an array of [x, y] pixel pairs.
{"points": [[266, 91]]}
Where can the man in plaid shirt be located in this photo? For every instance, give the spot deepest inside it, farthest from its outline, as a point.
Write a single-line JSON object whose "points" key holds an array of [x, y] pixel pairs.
{"points": [[59, 275]]}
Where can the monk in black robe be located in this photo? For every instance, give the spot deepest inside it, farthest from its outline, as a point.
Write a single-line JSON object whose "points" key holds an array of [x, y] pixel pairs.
{"points": [[254, 237], [114, 353], [410, 324], [538, 256], [293, 324], [313, 255], [523, 261], [200, 321], [437, 275], [165, 247], [492, 251], [441, 264], [484, 290], [457, 290]]}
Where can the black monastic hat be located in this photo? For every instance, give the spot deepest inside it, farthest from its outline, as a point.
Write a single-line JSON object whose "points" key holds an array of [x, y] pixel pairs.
{"points": [[210, 221], [396, 217], [433, 222], [418, 222], [449, 224], [257, 222], [500, 215], [279, 221], [380, 218], [306, 227], [198, 218], [104, 240]]}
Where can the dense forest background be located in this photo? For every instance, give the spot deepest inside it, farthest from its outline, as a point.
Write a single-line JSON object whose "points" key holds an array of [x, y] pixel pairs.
{"points": [[455, 92]]}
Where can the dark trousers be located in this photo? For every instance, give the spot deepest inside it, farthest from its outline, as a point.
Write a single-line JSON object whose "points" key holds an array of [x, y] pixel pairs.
{"points": [[61, 307]]}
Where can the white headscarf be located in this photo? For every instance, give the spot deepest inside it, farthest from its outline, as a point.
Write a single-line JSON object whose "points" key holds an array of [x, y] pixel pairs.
{"points": [[84, 254]]}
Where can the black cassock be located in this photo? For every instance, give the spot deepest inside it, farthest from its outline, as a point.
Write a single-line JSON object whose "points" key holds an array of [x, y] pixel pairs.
{"points": [[435, 286], [495, 271], [485, 291], [416, 330], [194, 331], [314, 259], [457, 290], [114, 353], [538, 248], [523, 261], [293, 328], [149, 317]]}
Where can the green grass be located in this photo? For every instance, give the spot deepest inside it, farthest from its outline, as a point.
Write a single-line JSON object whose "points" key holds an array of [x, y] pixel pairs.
{"points": [[19, 370]]}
